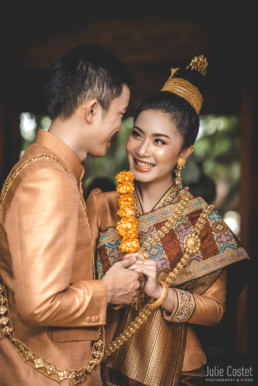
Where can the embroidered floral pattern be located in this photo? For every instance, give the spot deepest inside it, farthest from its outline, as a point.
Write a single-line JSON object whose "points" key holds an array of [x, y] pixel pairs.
{"points": [[185, 307]]}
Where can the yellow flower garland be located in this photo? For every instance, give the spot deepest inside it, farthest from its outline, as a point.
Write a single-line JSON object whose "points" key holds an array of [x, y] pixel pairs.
{"points": [[127, 226]]}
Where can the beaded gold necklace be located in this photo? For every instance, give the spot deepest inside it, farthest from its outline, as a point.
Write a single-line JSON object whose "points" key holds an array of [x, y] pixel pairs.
{"points": [[191, 246]]}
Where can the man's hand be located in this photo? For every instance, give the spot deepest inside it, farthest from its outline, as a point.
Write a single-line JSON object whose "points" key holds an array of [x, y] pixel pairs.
{"points": [[122, 283]]}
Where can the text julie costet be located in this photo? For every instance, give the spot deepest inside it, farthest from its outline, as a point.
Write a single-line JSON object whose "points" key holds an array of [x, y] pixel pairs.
{"points": [[229, 371]]}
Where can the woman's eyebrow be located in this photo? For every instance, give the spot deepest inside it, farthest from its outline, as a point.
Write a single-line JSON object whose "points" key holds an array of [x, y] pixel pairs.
{"points": [[154, 135], [136, 127], [161, 135]]}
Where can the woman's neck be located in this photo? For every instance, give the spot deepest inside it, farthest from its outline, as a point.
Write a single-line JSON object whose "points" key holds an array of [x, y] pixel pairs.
{"points": [[151, 192]]}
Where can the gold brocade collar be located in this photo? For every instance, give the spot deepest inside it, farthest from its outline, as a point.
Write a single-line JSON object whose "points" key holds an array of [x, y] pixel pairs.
{"points": [[63, 152], [167, 198]]}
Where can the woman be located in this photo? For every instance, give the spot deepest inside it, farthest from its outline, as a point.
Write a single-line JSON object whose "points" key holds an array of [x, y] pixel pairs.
{"points": [[185, 245]]}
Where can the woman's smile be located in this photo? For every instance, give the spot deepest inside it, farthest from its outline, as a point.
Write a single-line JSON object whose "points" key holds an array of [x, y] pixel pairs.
{"points": [[143, 166], [153, 148]]}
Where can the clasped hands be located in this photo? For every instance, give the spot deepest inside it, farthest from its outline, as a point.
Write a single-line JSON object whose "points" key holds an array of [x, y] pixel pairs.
{"points": [[125, 278]]}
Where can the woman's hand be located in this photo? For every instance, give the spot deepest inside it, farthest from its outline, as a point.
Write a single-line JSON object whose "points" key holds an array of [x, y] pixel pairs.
{"points": [[148, 268]]}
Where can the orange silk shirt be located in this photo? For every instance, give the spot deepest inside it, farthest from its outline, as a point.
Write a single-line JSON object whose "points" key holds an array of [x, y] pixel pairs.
{"points": [[47, 264]]}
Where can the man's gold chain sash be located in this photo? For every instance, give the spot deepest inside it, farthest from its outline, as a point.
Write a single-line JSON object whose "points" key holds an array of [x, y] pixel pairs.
{"points": [[40, 364]]}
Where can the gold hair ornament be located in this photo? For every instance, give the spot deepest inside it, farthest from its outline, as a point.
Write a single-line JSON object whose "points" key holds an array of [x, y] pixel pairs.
{"points": [[198, 63], [184, 88]]}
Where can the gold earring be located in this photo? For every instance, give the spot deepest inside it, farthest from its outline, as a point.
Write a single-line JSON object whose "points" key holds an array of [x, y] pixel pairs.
{"points": [[180, 165]]}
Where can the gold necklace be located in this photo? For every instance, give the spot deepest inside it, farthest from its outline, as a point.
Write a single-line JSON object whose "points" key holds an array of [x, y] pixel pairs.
{"points": [[191, 246]]}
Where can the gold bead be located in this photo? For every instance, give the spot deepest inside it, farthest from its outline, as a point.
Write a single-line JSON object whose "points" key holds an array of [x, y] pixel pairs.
{"points": [[185, 259], [161, 233], [146, 255], [165, 229], [181, 162], [176, 270], [180, 265], [191, 243]]}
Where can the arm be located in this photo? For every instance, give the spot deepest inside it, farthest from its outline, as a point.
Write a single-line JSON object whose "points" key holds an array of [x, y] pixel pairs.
{"points": [[206, 309], [122, 283], [182, 306], [41, 226]]}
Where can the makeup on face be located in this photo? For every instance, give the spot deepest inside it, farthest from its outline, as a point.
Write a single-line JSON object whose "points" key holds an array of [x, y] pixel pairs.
{"points": [[153, 146]]}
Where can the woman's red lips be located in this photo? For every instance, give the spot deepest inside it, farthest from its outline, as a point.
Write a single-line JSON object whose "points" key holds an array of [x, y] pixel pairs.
{"points": [[143, 166]]}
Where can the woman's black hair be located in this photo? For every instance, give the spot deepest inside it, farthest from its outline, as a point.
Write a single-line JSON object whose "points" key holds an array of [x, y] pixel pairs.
{"points": [[182, 114]]}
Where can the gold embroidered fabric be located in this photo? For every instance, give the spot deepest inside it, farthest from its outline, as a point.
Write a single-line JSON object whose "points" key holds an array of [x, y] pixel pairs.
{"points": [[142, 357], [34, 360], [16, 171], [205, 266], [184, 309]]}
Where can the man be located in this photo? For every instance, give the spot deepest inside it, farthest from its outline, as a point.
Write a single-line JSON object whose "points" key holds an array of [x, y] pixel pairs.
{"points": [[51, 329]]}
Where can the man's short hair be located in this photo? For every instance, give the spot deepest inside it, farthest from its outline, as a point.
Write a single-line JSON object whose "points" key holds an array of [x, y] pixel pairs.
{"points": [[86, 71]]}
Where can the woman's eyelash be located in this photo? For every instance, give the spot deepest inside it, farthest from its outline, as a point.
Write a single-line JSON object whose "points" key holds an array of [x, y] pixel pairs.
{"points": [[135, 133], [160, 141]]}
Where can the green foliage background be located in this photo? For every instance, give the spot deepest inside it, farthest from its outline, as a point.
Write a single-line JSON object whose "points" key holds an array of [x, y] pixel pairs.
{"points": [[215, 159]]}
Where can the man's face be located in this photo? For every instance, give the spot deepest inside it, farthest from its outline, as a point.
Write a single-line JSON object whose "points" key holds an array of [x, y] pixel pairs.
{"points": [[108, 123]]}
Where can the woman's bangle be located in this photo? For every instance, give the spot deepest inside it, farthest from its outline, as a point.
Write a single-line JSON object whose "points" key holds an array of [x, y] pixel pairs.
{"points": [[162, 298]]}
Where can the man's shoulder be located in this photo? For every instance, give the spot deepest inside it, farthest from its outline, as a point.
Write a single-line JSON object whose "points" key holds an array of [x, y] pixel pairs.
{"points": [[36, 158], [39, 168]]}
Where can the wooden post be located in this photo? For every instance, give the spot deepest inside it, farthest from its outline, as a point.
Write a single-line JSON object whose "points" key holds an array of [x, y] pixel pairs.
{"points": [[10, 138], [247, 319]]}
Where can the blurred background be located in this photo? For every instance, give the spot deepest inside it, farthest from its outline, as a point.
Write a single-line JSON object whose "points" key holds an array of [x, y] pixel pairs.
{"points": [[150, 39]]}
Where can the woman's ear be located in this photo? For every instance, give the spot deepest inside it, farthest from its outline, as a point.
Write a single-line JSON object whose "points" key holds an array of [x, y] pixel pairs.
{"points": [[186, 152]]}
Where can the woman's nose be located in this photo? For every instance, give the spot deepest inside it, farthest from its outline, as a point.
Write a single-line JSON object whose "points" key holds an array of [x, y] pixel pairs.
{"points": [[143, 149]]}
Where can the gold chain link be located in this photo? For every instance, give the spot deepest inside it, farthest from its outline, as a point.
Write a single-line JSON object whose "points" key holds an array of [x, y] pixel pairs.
{"points": [[191, 246], [48, 369]]}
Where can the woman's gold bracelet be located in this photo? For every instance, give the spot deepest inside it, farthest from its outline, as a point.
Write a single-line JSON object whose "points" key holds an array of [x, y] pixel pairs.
{"points": [[161, 299]]}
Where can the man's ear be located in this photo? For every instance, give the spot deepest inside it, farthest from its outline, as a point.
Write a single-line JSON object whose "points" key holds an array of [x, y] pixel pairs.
{"points": [[90, 108], [186, 152]]}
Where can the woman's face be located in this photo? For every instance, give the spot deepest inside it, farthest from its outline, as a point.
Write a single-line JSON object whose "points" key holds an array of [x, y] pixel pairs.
{"points": [[153, 147]]}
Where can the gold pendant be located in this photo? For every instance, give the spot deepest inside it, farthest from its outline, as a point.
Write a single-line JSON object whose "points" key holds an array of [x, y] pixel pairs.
{"points": [[140, 300]]}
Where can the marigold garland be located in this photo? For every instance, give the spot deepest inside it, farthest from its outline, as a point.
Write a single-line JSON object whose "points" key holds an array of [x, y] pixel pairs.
{"points": [[127, 226]]}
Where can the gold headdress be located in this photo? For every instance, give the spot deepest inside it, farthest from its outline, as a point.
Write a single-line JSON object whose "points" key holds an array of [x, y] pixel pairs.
{"points": [[183, 87]]}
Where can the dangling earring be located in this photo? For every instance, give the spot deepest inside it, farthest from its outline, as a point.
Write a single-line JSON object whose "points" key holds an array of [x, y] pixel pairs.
{"points": [[180, 165]]}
